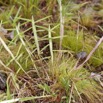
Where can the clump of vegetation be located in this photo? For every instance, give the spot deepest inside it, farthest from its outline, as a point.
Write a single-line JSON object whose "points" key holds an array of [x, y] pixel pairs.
{"points": [[74, 85]]}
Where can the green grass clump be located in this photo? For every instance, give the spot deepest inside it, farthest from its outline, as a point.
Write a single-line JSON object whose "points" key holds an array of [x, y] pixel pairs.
{"points": [[76, 85], [20, 54], [73, 41], [83, 42]]}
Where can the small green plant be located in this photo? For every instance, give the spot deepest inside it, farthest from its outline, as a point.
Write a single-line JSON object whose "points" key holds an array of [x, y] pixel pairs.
{"points": [[87, 17]]}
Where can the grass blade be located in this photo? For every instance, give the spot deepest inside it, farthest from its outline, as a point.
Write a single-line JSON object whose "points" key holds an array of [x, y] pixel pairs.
{"points": [[35, 36]]}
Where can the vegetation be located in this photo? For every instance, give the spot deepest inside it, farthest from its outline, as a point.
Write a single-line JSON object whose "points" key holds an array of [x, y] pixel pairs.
{"points": [[39, 45]]}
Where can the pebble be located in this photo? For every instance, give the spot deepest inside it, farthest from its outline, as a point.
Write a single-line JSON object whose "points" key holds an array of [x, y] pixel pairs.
{"points": [[3, 78], [81, 55]]}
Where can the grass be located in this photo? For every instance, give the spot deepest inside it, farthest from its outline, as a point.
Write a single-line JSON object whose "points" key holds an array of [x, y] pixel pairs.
{"points": [[68, 79], [36, 71]]}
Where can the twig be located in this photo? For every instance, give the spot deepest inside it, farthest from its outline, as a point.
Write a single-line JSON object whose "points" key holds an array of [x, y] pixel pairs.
{"points": [[71, 93], [61, 27]]}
